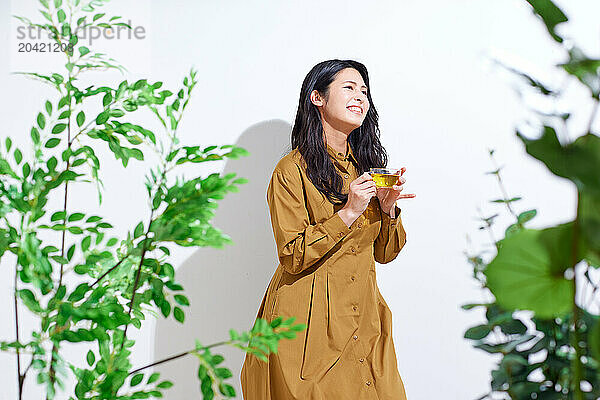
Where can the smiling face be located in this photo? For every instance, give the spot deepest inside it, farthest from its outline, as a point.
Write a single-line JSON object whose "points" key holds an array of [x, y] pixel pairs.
{"points": [[346, 104]]}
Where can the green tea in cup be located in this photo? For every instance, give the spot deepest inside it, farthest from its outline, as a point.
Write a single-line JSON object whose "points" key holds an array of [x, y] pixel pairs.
{"points": [[385, 177]]}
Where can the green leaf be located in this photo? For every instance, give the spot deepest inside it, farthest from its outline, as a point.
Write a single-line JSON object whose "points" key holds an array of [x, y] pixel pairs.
{"points": [[48, 108], [46, 15], [585, 69], [526, 216], [550, 14], [164, 385], [578, 161], [91, 358], [18, 156], [181, 299], [178, 314], [153, 378], [59, 215], [76, 217], [70, 252], [41, 120], [52, 142], [58, 78], [83, 50], [102, 117], [35, 135], [75, 230], [139, 230], [528, 271], [61, 16], [137, 379], [58, 128], [107, 99], [80, 118], [85, 243]]}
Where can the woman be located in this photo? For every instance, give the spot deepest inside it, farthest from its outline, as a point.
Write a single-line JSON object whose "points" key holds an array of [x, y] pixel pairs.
{"points": [[331, 223]]}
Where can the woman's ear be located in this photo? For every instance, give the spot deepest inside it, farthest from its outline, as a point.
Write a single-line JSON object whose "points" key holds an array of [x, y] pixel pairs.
{"points": [[315, 98]]}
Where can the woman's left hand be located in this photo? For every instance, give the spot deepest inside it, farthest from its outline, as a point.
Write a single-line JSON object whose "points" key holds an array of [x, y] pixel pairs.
{"points": [[388, 195]]}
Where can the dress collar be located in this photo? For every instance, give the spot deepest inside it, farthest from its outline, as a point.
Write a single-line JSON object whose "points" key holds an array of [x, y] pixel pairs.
{"points": [[340, 156]]}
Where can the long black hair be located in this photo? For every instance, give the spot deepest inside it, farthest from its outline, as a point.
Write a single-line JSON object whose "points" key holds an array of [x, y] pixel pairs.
{"points": [[307, 133]]}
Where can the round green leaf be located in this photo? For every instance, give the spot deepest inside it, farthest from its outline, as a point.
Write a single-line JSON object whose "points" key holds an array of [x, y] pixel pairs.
{"points": [[528, 271]]}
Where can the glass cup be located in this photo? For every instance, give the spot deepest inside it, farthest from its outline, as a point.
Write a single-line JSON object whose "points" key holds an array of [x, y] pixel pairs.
{"points": [[385, 177]]}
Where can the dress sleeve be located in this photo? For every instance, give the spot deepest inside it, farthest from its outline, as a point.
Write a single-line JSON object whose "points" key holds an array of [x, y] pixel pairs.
{"points": [[299, 244], [391, 238]]}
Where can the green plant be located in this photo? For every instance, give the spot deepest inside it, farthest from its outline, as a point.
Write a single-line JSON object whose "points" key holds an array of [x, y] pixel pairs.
{"points": [[86, 287], [535, 269]]}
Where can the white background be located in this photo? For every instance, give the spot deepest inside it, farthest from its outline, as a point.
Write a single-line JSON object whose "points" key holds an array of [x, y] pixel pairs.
{"points": [[441, 106]]}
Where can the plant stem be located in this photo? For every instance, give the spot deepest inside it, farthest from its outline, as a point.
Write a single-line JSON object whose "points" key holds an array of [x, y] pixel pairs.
{"points": [[185, 353], [592, 117], [108, 272], [19, 376], [52, 372], [137, 276], [135, 285], [576, 364]]}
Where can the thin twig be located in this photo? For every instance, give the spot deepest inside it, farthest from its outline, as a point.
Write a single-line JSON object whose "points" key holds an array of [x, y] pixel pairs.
{"points": [[178, 356], [19, 376]]}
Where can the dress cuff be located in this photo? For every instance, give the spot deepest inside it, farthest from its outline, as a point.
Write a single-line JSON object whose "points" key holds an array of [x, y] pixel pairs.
{"points": [[336, 227], [386, 219]]}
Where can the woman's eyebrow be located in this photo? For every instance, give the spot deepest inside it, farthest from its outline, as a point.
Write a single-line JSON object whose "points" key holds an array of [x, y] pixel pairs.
{"points": [[354, 83]]}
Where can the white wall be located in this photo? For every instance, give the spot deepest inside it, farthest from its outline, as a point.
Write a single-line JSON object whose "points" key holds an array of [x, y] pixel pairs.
{"points": [[440, 107]]}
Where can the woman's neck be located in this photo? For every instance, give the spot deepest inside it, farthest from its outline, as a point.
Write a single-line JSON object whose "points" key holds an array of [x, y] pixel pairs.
{"points": [[337, 141]]}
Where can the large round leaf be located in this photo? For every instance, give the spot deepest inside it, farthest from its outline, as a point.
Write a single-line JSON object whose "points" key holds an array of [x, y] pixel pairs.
{"points": [[528, 271]]}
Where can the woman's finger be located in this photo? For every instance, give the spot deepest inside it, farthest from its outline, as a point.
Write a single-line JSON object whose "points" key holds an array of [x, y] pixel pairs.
{"points": [[407, 196]]}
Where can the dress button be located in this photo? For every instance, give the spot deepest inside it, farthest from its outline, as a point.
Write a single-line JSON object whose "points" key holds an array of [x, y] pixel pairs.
{"points": [[368, 383], [346, 176], [353, 278], [354, 337], [359, 225], [352, 249], [354, 308], [362, 360]]}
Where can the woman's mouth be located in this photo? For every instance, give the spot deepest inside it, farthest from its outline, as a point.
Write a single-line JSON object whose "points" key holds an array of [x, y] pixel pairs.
{"points": [[355, 110]]}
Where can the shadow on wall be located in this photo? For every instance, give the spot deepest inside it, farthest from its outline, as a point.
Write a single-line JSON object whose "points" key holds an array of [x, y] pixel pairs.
{"points": [[226, 286]]}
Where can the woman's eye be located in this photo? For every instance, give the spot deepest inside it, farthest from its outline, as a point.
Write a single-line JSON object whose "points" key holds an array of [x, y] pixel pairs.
{"points": [[365, 93]]}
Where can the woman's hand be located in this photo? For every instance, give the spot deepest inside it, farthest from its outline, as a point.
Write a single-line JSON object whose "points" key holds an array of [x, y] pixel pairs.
{"points": [[359, 195], [388, 195]]}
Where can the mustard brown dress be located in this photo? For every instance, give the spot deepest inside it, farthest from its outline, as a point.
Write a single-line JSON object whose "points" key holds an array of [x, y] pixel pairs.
{"points": [[326, 279]]}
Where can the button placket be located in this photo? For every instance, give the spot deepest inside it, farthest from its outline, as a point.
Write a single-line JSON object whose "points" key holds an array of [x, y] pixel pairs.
{"points": [[365, 375]]}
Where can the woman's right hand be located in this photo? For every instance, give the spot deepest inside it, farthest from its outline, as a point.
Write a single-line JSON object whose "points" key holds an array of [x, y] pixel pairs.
{"points": [[359, 195]]}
